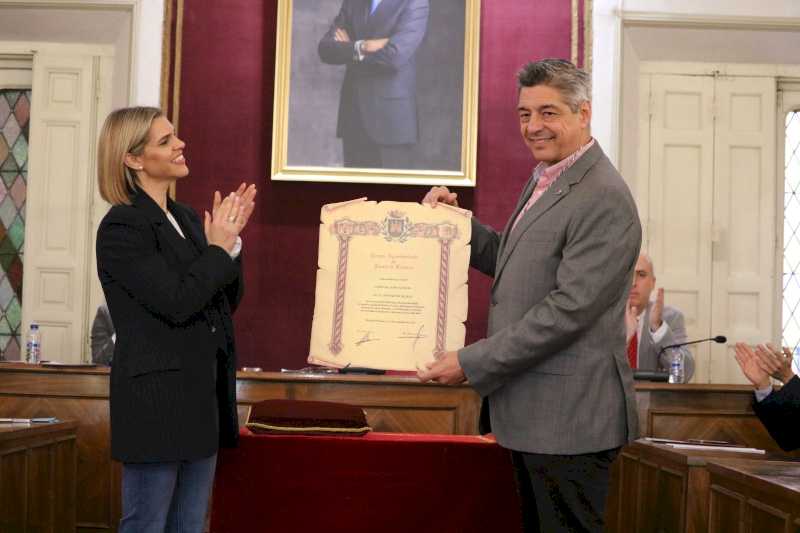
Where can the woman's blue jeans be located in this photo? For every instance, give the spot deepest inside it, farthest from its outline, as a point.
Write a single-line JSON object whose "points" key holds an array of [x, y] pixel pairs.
{"points": [[166, 497]]}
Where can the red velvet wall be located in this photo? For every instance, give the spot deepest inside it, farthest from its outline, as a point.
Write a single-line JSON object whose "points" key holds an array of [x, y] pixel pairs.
{"points": [[228, 55]]}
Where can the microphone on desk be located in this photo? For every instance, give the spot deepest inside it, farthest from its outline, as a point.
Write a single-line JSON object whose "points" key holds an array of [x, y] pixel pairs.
{"points": [[655, 375], [721, 339]]}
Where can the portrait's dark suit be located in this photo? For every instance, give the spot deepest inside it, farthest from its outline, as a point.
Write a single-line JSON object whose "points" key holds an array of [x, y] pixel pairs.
{"points": [[780, 414], [173, 381], [378, 96], [553, 368]]}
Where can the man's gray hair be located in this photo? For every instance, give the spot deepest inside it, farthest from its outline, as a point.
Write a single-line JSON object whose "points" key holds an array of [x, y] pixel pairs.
{"points": [[574, 84]]}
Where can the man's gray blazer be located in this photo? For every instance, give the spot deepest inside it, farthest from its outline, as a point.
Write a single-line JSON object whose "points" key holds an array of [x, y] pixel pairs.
{"points": [[554, 366], [648, 354]]}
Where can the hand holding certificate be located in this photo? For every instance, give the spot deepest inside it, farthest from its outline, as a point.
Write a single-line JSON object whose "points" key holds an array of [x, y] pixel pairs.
{"points": [[392, 284]]}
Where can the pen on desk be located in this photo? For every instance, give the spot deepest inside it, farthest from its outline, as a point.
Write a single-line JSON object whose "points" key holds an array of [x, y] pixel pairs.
{"points": [[715, 442], [15, 420]]}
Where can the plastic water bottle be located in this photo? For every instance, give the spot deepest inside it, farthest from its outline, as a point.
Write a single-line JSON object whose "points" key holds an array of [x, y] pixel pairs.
{"points": [[676, 367], [34, 347]]}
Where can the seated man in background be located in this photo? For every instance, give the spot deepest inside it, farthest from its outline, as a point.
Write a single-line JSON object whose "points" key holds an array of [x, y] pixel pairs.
{"points": [[102, 337], [779, 410], [651, 325]]}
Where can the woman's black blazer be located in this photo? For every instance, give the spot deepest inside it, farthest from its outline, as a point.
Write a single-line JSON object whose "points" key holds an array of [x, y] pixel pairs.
{"points": [[173, 378]]}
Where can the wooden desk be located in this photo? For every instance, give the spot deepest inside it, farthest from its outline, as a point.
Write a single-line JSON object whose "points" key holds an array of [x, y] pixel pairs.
{"points": [[37, 477], [696, 411], [754, 496], [392, 404], [659, 488]]}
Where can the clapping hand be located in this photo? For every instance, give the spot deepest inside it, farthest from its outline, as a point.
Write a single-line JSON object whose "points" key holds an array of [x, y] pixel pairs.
{"points": [[631, 320], [229, 216], [776, 363], [752, 369], [657, 311]]}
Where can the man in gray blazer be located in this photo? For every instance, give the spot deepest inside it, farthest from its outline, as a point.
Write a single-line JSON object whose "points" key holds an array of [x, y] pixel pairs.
{"points": [[652, 325], [552, 370]]}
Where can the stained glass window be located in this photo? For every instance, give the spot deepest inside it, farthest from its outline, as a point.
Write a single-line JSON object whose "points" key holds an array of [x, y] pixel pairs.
{"points": [[14, 114]]}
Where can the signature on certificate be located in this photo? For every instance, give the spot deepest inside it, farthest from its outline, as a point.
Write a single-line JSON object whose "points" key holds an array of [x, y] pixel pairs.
{"points": [[367, 337], [415, 336]]}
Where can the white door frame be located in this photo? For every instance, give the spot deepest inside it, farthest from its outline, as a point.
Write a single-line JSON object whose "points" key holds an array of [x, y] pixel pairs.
{"points": [[144, 46], [611, 19], [27, 52]]}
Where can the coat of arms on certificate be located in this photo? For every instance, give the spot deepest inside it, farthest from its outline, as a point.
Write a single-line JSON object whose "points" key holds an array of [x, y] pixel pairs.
{"points": [[391, 285]]}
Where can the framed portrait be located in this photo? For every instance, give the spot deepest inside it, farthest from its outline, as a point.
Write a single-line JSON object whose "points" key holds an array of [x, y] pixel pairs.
{"points": [[376, 91]]}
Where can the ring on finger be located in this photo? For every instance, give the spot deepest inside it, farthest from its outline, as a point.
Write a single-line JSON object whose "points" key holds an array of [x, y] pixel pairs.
{"points": [[232, 219]]}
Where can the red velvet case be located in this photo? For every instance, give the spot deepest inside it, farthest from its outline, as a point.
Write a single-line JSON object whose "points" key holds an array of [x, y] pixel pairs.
{"points": [[300, 417]]}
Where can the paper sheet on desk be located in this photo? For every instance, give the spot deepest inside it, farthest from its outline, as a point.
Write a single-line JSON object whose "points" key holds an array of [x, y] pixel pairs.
{"points": [[714, 448]]}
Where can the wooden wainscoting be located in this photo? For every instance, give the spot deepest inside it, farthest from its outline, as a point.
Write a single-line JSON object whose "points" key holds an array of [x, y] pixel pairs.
{"points": [[392, 403], [38, 468], [754, 496]]}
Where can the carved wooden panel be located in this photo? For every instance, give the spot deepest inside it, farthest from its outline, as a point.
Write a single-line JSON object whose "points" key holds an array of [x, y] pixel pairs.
{"points": [[13, 490], [37, 478], [647, 490], [433, 421], [624, 497], [697, 504], [726, 426], [726, 511], [763, 496], [764, 517], [672, 493], [96, 475]]}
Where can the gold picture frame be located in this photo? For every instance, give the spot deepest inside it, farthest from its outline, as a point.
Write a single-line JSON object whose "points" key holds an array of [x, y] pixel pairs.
{"points": [[303, 145]]}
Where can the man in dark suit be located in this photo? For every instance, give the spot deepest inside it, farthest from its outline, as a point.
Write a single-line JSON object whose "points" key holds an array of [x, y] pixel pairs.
{"points": [[102, 337], [779, 410], [652, 325], [378, 41], [557, 387]]}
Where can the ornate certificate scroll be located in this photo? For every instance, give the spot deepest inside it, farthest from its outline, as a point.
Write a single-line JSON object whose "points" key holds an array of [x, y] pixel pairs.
{"points": [[391, 285]]}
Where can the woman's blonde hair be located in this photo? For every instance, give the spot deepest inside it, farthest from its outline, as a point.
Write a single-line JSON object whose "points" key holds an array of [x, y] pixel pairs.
{"points": [[124, 132]]}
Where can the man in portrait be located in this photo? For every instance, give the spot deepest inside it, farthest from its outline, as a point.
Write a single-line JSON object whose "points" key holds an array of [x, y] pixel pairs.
{"points": [[378, 41]]}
